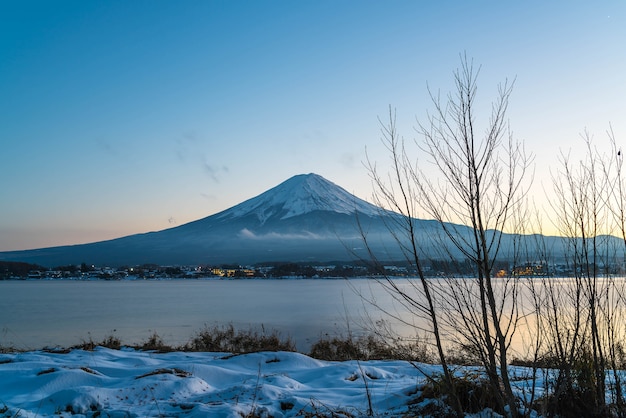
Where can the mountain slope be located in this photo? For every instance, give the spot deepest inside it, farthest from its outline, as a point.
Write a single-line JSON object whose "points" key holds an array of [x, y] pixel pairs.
{"points": [[305, 218]]}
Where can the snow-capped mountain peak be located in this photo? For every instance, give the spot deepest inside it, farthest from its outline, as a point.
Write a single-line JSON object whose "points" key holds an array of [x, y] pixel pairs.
{"points": [[299, 195]]}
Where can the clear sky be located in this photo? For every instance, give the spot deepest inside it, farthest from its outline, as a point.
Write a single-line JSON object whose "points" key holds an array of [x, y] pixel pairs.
{"points": [[119, 117]]}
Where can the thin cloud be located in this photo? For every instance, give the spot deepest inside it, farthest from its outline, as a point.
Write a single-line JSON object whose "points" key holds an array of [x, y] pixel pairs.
{"points": [[214, 172], [246, 233], [189, 149]]}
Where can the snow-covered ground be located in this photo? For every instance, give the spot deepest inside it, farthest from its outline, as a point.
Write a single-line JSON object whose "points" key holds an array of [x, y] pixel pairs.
{"points": [[120, 383], [130, 383]]}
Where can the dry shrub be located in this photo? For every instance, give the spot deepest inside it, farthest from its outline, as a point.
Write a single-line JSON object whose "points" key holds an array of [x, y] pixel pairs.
{"points": [[155, 343], [369, 347], [7, 350], [463, 355], [110, 341], [227, 339], [573, 391], [473, 391]]}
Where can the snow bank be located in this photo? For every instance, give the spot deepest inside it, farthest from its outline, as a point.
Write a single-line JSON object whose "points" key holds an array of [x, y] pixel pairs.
{"points": [[125, 383]]}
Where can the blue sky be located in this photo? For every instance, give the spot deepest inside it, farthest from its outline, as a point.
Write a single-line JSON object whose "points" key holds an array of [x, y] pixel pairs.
{"points": [[121, 117]]}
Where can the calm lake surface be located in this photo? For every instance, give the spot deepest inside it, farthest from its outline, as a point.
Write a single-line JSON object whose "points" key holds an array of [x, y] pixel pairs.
{"points": [[37, 314], [62, 313]]}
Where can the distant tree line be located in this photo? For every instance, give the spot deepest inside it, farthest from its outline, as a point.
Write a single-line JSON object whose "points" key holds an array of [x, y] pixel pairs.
{"points": [[12, 269]]}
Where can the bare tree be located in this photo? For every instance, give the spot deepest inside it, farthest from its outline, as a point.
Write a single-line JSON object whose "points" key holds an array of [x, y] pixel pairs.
{"points": [[401, 195], [587, 319], [473, 193], [585, 219]]}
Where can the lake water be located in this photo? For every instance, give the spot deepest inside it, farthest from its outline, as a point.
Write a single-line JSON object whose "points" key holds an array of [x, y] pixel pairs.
{"points": [[36, 314]]}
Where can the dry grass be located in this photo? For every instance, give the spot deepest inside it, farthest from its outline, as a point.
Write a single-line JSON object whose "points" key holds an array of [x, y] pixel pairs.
{"points": [[368, 347], [227, 339]]}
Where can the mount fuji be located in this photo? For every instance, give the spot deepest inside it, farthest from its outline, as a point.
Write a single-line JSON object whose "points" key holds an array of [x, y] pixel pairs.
{"points": [[304, 219]]}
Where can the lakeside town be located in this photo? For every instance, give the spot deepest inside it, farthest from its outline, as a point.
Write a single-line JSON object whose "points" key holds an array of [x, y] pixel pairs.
{"points": [[10, 270]]}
